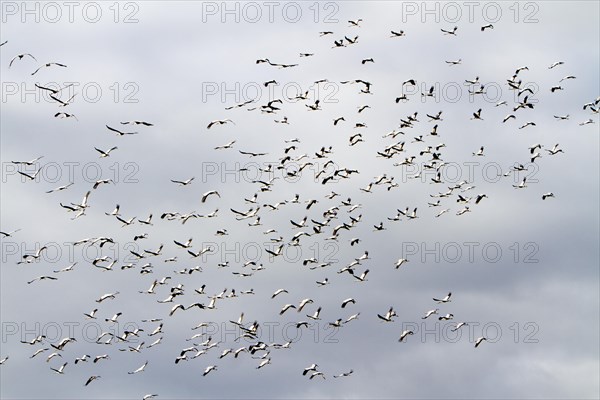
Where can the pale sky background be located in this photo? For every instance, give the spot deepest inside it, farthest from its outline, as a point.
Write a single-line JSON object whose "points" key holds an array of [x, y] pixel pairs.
{"points": [[178, 65]]}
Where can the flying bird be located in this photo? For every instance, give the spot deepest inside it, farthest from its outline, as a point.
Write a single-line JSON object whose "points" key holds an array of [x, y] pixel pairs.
{"points": [[209, 193], [404, 335], [9, 234], [105, 153], [19, 57], [91, 379], [450, 32], [218, 122], [137, 123], [555, 64], [58, 189], [344, 374], [120, 133], [29, 176], [183, 183], [61, 369], [347, 301], [209, 369], [140, 369], [48, 65]]}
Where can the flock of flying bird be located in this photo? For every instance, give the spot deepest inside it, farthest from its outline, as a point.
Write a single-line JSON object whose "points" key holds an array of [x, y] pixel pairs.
{"points": [[429, 156]]}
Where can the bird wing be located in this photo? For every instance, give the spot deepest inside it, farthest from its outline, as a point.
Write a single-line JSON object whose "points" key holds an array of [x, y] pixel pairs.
{"points": [[36, 71], [114, 130]]}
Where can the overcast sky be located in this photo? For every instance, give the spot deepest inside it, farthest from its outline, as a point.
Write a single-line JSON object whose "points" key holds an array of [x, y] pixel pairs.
{"points": [[523, 272]]}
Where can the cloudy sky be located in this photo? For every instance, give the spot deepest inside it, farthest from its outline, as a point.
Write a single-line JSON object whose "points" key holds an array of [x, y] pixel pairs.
{"points": [[523, 272]]}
